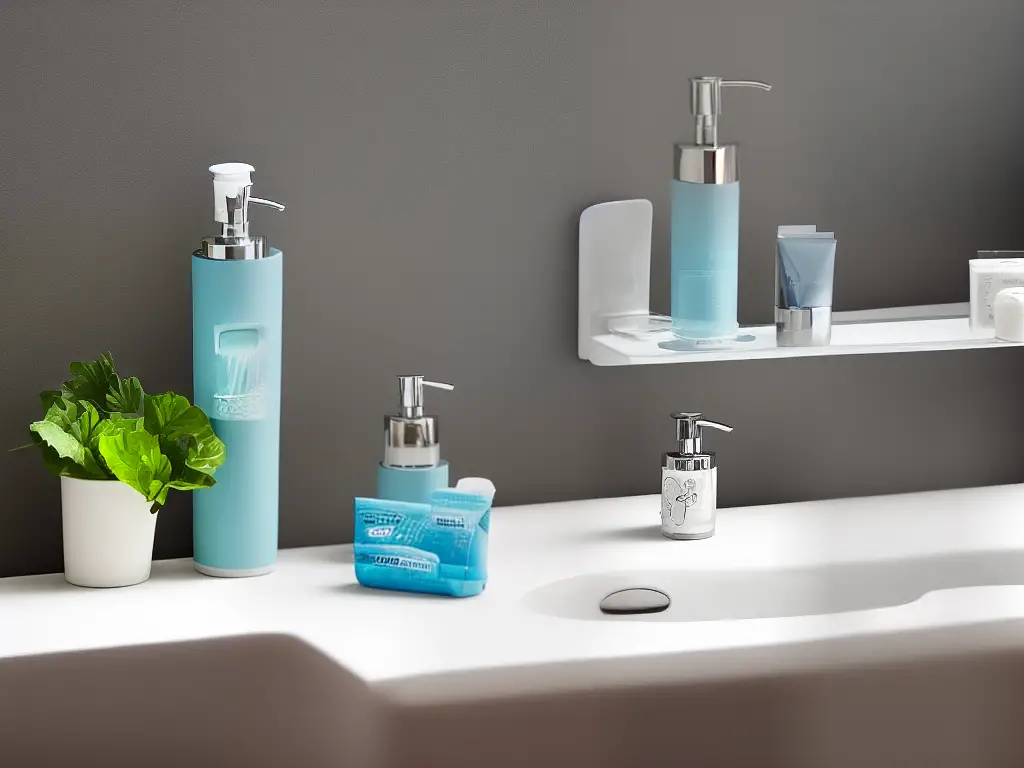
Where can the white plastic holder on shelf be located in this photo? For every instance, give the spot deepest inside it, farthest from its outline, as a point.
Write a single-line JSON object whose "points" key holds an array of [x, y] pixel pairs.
{"points": [[614, 291], [615, 266]]}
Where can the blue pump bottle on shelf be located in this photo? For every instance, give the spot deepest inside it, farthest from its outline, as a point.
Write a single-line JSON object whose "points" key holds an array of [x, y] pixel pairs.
{"points": [[236, 357], [412, 468], [705, 202]]}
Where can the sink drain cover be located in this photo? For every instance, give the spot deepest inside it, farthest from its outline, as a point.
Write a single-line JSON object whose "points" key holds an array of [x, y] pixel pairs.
{"points": [[626, 602]]}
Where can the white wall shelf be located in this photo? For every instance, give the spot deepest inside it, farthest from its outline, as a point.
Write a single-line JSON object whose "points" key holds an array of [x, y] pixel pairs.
{"points": [[850, 336], [614, 283]]}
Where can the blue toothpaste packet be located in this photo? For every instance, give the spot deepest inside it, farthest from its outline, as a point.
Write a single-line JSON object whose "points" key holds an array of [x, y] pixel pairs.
{"points": [[440, 547]]}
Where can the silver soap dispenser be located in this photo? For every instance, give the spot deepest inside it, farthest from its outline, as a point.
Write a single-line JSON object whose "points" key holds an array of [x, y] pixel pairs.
{"points": [[689, 481]]}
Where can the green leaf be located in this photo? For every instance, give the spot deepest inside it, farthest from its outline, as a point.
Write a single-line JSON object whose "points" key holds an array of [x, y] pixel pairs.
{"points": [[62, 413], [134, 458], [83, 428], [113, 425], [65, 438], [172, 415], [192, 481], [49, 397], [206, 453], [131, 423], [125, 397], [117, 423], [92, 381], [185, 433]]}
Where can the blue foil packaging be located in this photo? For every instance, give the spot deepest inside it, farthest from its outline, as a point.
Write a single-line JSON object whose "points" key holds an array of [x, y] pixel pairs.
{"points": [[440, 547]]}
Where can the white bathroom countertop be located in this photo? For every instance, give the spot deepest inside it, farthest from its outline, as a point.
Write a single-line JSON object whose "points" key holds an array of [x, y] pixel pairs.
{"points": [[384, 637]]}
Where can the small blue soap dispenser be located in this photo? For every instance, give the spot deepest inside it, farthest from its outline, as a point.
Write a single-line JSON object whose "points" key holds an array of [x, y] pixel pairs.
{"points": [[412, 468], [705, 200], [236, 359]]}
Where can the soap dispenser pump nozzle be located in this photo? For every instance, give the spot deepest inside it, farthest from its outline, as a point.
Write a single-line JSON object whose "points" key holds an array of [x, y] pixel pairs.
{"points": [[689, 428], [706, 104], [232, 186], [411, 437], [706, 161], [410, 394]]}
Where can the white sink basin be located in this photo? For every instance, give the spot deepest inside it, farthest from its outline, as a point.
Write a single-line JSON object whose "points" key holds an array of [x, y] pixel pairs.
{"points": [[795, 639], [762, 593]]}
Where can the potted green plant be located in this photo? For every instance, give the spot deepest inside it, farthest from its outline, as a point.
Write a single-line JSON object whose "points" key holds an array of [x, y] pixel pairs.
{"points": [[118, 453]]}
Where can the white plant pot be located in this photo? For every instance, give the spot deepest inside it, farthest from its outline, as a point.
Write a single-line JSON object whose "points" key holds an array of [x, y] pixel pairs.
{"points": [[108, 533]]}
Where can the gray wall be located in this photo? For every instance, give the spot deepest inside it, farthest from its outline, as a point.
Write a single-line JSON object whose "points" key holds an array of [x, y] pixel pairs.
{"points": [[435, 155]]}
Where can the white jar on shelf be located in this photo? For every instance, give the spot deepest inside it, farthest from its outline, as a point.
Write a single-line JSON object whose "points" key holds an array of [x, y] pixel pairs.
{"points": [[991, 273], [1009, 315]]}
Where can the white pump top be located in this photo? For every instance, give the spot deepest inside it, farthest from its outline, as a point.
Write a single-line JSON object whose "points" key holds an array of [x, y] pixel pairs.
{"points": [[231, 183], [225, 171]]}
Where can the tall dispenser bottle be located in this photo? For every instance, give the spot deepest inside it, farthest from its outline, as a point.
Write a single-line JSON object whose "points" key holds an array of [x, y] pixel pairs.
{"points": [[412, 468], [236, 355], [705, 200]]}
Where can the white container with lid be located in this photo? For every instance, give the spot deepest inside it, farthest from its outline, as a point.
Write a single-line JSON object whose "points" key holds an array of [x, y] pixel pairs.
{"points": [[1009, 315], [991, 273]]}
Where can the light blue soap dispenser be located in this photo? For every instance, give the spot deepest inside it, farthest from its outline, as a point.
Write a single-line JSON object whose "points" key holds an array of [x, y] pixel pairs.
{"points": [[412, 468], [705, 194], [236, 358]]}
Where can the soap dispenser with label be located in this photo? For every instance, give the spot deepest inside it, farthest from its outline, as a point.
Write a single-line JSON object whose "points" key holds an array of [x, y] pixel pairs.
{"points": [[412, 468], [705, 223], [236, 366], [689, 481]]}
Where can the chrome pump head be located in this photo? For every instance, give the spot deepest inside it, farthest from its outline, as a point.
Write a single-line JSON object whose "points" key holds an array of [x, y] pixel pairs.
{"points": [[411, 438], [706, 105], [706, 161], [410, 394], [232, 185], [691, 455], [689, 428]]}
